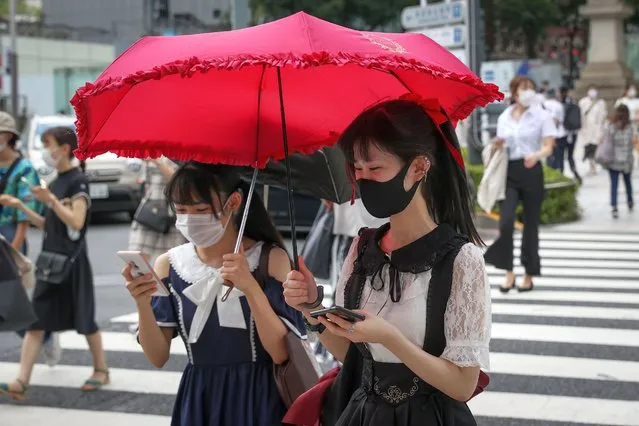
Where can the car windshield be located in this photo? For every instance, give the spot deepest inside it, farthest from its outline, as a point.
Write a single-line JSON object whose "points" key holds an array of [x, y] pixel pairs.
{"points": [[43, 127]]}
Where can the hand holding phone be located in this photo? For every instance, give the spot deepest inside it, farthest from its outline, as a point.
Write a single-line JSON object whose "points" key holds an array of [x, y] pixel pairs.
{"points": [[345, 314], [140, 266]]}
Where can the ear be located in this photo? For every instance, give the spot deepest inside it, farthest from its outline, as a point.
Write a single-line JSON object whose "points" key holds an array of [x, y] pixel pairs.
{"points": [[235, 201], [419, 168]]}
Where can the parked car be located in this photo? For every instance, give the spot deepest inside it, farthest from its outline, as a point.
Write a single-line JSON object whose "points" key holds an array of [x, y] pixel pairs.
{"points": [[115, 183]]}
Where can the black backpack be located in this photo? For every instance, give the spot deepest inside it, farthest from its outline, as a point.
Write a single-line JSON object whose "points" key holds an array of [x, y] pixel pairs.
{"points": [[572, 118]]}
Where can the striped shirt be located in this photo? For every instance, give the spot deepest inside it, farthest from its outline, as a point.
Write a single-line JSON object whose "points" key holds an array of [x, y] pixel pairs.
{"points": [[17, 188]]}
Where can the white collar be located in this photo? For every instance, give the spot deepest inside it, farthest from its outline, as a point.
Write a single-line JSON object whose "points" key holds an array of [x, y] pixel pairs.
{"points": [[190, 268]]}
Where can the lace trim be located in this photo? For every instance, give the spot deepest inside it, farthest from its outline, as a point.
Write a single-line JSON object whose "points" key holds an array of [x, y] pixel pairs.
{"points": [[394, 394], [252, 338], [185, 335], [467, 356], [190, 268]]}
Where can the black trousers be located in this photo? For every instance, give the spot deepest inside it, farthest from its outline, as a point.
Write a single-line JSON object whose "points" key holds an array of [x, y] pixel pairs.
{"points": [[527, 186]]}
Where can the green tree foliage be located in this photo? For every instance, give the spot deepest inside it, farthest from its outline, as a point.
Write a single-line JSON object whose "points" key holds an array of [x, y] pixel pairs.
{"points": [[22, 8], [361, 14]]}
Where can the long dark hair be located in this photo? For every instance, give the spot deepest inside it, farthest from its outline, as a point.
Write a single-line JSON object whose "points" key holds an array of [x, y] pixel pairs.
{"points": [[196, 182], [621, 117], [403, 128], [64, 136]]}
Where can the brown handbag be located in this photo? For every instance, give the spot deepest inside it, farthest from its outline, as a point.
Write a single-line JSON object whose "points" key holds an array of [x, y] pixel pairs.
{"points": [[301, 371]]}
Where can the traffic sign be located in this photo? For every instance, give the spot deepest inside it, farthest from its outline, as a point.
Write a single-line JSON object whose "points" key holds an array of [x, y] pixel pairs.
{"points": [[448, 37], [415, 17]]}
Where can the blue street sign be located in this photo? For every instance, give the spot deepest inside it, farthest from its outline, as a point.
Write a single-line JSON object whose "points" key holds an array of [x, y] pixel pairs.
{"points": [[439, 14]]}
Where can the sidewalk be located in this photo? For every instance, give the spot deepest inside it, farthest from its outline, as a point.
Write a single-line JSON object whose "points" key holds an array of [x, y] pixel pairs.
{"points": [[594, 200]]}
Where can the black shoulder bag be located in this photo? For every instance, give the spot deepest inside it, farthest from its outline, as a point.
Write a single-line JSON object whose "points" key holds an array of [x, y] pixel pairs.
{"points": [[54, 268]]}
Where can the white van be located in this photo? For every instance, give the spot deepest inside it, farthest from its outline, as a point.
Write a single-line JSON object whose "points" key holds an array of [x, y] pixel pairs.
{"points": [[115, 183]]}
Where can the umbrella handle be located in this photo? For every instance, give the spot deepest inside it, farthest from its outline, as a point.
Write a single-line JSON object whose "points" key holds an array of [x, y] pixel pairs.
{"points": [[240, 233]]}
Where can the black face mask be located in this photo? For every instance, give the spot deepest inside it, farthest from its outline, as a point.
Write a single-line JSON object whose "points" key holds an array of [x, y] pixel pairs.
{"points": [[384, 199]]}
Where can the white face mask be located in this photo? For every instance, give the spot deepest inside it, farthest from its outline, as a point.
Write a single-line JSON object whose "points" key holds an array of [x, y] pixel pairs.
{"points": [[526, 97], [48, 159], [203, 230], [632, 92], [592, 93]]}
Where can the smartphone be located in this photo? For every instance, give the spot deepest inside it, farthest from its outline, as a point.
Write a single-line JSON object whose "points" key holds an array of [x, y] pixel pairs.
{"points": [[141, 266], [343, 313]]}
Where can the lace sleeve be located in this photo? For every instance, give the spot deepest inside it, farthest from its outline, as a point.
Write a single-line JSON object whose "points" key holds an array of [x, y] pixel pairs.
{"points": [[345, 274], [467, 320]]}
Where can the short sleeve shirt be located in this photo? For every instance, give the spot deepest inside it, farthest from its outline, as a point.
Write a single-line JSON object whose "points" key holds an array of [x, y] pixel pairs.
{"points": [[525, 136], [19, 189]]}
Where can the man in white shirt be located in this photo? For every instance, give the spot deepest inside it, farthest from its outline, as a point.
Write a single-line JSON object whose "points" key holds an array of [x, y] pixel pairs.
{"points": [[557, 111]]}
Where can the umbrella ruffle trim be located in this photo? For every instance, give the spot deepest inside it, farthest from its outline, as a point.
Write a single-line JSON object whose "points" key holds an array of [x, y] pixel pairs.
{"points": [[187, 68]]}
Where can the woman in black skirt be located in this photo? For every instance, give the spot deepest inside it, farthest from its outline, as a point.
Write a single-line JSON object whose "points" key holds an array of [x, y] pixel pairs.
{"points": [[69, 305], [419, 280]]}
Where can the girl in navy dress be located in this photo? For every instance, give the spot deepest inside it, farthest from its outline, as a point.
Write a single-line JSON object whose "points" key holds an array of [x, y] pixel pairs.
{"points": [[231, 344]]}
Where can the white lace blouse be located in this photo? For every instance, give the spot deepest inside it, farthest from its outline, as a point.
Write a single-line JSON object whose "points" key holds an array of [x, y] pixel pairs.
{"points": [[467, 320]]}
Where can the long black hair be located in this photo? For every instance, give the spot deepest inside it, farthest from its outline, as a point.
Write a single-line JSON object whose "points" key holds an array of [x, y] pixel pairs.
{"points": [[402, 128], [195, 182], [64, 136]]}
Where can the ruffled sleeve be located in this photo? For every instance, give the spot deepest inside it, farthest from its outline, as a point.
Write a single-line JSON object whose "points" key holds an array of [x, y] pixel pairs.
{"points": [[345, 274], [292, 318], [165, 315], [467, 320]]}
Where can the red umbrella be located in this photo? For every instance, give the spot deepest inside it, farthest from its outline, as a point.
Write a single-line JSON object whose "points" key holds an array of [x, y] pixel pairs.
{"points": [[244, 97]]}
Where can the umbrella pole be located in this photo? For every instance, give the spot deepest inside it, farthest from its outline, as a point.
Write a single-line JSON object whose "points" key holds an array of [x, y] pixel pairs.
{"points": [[266, 191], [289, 188], [240, 232]]}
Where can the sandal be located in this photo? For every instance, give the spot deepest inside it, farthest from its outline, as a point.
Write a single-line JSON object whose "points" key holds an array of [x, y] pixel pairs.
{"points": [[94, 384], [15, 395]]}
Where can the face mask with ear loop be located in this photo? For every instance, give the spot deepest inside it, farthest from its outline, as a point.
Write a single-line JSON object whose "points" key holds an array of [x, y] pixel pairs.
{"points": [[203, 230]]}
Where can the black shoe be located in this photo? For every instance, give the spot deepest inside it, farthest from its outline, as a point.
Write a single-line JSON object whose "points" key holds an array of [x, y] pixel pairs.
{"points": [[631, 206], [525, 289], [615, 213], [505, 290]]}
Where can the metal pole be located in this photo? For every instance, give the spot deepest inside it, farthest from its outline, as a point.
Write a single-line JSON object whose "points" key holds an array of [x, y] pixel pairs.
{"points": [[13, 58], [240, 232]]}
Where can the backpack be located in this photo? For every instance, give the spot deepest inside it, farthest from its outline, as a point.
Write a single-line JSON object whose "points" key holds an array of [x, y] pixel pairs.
{"points": [[572, 117]]}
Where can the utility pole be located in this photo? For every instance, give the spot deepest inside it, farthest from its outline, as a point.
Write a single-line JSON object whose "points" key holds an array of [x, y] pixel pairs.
{"points": [[240, 14], [13, 59]]}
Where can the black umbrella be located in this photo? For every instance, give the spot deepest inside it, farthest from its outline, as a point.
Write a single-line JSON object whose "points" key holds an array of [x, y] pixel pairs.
{"points": [[321, 175], [16, 312]]}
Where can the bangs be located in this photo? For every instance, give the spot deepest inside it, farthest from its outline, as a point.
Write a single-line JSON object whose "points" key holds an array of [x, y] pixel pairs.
{"points": [[372, 128], [191, 185]]}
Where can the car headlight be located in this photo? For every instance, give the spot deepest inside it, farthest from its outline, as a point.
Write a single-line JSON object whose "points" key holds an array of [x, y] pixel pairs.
{"points": [[134, 165]]}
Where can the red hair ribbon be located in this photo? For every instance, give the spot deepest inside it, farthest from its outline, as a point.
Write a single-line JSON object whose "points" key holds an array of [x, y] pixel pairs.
{"points": [[434, 110]]}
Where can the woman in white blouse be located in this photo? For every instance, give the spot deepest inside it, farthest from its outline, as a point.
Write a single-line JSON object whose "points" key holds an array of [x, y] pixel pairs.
{"points": [[419, 280], [528, 133]]}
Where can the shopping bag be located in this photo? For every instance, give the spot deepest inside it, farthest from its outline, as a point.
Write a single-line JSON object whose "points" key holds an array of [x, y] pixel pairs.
{"points": [[16, 312], [605, 153], [319, 242]]}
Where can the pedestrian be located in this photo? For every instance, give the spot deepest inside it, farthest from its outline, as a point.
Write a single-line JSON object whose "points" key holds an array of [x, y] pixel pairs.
{"points": [[557, 112], [593, 119], [624, 138], [630, 100], [419, 268], [16, 175], [527, 132], [70, 303], [143, 238], [572, 125], [231, 348]]}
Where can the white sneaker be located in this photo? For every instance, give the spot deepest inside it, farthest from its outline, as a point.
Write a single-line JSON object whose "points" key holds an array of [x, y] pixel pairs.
{"points": [[52, 350]]}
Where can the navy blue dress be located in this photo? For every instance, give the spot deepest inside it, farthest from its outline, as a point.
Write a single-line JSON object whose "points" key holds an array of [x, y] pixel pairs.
{"points": [[229, 378]]}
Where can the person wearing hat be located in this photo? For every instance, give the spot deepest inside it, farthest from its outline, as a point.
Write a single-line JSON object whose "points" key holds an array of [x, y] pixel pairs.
{"points": [[17, 174]]}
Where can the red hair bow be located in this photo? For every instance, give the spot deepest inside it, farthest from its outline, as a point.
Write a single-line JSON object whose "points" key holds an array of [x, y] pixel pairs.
{"points": [[434, 110]]}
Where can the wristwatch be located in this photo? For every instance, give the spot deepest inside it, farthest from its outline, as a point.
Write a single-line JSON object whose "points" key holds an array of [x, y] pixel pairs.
{"points": [[315, 328]]}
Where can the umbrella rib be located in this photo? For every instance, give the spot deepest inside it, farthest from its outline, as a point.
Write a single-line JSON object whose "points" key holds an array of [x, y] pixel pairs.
{"points": [[330, 173], [259, 114]]}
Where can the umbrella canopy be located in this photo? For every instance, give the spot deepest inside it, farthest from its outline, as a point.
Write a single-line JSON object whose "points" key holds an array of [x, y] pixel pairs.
{"points": [[218, 97], [321, 175]]}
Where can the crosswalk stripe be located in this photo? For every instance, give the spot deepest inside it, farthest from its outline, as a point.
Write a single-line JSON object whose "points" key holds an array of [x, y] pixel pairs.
{"points": [[583, 254], [19, 415], [114, 341], [555, 408], [576, 283], [124, 380], [566, 334], [588, 263], [571, 296], [574, 272], [566, 367], [587, 236], [566, 311], [585, 245]]}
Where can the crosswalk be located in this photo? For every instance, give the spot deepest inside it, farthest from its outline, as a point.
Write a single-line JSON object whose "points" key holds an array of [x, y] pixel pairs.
{"points": [[564, 354]]}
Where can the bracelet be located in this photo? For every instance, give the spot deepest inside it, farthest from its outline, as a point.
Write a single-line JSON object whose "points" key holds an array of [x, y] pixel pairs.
{"points": [[315, 328], [318, 301]]}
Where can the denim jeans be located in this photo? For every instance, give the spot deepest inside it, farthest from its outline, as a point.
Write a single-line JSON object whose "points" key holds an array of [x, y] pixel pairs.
{"points": [[614, 185]]}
